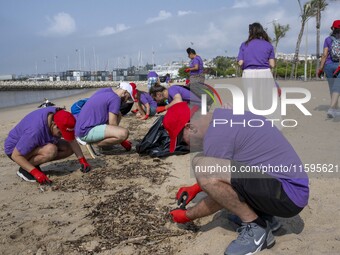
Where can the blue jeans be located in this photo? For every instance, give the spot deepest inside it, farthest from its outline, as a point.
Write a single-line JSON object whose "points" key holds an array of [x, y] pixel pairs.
{"points": [[333, 83]]}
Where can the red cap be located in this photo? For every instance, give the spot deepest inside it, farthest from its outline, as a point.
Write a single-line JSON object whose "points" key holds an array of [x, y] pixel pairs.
{"points": [[134, 90], [65, 122], [336, 24], [174, 121], [187, 81]]}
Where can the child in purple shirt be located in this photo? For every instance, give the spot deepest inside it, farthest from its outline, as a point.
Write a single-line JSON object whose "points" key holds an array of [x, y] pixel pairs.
{"points": [[36, 139], [146, 105]]}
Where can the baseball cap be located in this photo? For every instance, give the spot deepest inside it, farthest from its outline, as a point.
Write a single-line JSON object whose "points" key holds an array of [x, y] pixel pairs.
{"points": [[126, 86], [65, 121], [134, 90], [174, 121], [336, 24]]}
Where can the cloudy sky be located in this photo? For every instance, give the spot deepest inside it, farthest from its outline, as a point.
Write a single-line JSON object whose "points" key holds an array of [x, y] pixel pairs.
{"points": [[49, 35]]}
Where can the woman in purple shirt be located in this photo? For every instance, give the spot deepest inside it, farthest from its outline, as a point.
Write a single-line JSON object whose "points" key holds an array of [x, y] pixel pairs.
{"points": [[331, 67], [195, 67], [256, 57], [173, 95]]}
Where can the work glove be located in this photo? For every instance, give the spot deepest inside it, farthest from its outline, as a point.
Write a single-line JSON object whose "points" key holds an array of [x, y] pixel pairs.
{"points": [[187, 70], [320, 73], [84, 166], [145, 117], [179, 216], [160, 109], [336, 72], [127, 145], [186, 194], [40, 176]]}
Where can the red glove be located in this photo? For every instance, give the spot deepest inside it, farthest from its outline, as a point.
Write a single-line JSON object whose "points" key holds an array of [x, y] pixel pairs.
{"points": [[187, 70], [145, 117], [179, 216], [188, 192], [84, 166], [336, 72], [127, 145], [320, 73], [160, 109], [40, 176]]}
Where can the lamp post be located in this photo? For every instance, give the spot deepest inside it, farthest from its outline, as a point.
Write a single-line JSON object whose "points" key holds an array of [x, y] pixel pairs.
{"points": [[306, 52]]}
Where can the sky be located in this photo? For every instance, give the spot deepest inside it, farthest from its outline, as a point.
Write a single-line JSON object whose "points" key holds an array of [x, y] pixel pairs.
{"points": [[39, 36]]}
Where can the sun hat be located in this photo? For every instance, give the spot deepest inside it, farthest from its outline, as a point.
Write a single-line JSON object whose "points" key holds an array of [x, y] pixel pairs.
{"points": [[65, 121], [126, 86]]}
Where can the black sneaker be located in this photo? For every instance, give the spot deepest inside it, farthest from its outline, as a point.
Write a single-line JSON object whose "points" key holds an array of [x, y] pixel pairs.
{"points": [[26, 176]]}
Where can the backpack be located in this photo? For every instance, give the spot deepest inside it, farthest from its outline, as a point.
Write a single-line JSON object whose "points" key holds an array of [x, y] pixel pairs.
{"points": [[156, 142], [76, 107], [335, 49]]}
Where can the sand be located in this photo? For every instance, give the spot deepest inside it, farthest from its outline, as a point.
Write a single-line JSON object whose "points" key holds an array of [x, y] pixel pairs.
{"points": [[122, 205]]}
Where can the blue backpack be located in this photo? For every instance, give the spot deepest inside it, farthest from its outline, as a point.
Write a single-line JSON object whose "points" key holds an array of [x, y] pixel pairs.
{"points": [[76, 107]]}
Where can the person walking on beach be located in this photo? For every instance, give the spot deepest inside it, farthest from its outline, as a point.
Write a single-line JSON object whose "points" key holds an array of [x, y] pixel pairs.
{"points": [[146, 105], [195, 68], [256, 196], [36, 140], [330, 65], [153, 79], [98, 120], [256, 57]]}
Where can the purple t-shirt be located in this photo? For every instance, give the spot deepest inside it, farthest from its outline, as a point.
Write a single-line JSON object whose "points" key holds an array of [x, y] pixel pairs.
{"points": [[257, 146], [256, 54], [31, 132], [146, 98], [186, 95], [152, 74], [96, 111], [328, 44], [196, 61]]}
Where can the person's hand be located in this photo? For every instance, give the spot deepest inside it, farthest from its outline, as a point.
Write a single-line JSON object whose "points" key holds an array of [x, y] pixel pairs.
{"points": [[179, 216], [40, 176], [320, 73], [336, 72], [127, 145], [187, 70], [160, 109], [84, 166], [145, 117], [186, 194]]}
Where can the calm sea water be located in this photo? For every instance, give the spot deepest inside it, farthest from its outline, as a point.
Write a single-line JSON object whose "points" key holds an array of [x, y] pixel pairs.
{"points": [[14, 98]]}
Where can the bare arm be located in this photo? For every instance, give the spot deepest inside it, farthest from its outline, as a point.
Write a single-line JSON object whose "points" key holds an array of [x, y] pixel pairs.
{"points": [[114, 119], [21, 160], [240, 62], [272, 63], [76, 149], [177, 99], [323, 58]]}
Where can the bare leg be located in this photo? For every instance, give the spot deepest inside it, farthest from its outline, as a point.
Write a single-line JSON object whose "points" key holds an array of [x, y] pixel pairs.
{"points": [[114, 135], [334, 100]]}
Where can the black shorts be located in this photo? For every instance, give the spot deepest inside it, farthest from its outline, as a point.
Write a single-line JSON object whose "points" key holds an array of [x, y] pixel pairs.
{"points": [[264, 194]]}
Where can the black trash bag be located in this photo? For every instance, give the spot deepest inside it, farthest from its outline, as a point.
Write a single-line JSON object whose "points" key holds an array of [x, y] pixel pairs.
{"points": [[156, 142], [126, 107]]}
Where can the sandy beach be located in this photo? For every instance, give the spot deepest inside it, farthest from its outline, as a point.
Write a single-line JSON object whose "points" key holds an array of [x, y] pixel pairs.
{"points": [[121, 206]]}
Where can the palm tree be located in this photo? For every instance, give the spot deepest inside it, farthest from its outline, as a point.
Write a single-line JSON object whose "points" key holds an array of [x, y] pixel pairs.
{"points": [[320, 6], [307, 11], [279, 33]]}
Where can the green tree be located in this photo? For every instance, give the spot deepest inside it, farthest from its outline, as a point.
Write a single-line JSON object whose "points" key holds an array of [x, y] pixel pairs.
{"points": [[181, 72], [279, 33]]}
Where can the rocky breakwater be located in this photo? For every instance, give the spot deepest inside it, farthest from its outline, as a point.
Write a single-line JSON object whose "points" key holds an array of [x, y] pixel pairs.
{"points": [[53, 85]]}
